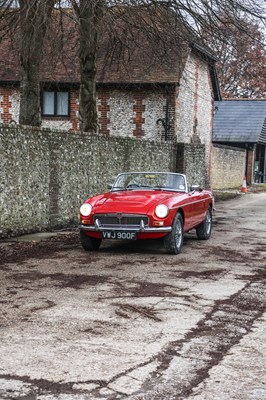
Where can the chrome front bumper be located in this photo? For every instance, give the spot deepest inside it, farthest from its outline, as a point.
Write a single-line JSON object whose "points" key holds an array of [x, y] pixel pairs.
{"points": [[126, 228]]}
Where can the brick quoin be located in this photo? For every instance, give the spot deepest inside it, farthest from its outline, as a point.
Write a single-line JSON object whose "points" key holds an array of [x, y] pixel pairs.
{"points": [[211, 125], [196, 97], [139, 108], [6, 104], [170, 98], [250, 165], [74, 109], [104, 109]]}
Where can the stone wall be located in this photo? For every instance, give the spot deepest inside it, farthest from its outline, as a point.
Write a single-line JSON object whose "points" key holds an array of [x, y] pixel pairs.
{"points": [[125, 113], [227, 167], [45, 175], [191, 161]]}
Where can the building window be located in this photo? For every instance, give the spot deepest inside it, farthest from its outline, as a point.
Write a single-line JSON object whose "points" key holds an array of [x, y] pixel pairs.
{"points": [[55, 103]]}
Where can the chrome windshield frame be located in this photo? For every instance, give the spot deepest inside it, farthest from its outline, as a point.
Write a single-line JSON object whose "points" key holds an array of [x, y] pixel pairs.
{"points": [[116, 188]]}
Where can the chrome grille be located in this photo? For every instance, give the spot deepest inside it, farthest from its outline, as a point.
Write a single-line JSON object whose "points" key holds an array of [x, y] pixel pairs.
{"points": [[121, 219]]}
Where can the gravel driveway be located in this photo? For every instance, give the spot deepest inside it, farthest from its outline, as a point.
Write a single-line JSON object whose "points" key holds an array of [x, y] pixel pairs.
{"points": [[132, 322]]}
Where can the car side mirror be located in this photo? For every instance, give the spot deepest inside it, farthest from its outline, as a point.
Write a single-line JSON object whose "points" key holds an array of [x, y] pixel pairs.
{"points": [[195, 188], [109, 186]]}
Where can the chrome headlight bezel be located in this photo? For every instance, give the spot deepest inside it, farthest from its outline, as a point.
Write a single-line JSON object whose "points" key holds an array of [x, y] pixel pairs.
{"points": [[161, 211], [85, 209]]}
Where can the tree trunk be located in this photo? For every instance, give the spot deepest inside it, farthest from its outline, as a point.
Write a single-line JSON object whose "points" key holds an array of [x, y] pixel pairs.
{"points": [[90, 13], [34, 20]]}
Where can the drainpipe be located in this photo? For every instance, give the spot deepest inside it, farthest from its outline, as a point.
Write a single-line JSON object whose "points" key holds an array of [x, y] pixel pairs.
{"points": [[246, 166], [166, 119], [264, 173]]}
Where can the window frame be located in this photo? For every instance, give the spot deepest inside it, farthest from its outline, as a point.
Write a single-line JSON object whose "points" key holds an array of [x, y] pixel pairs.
{"points": [[55, 92]]}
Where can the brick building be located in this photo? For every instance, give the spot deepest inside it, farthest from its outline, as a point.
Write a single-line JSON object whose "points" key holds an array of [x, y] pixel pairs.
{"points": [[167, 97]]}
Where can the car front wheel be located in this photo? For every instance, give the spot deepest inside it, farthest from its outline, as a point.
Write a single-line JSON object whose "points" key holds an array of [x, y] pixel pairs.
{"points": [[89, 243], [173, 242], [205, 228]]}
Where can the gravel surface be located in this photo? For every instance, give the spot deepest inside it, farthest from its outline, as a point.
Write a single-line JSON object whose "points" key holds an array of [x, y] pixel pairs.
{"points": [[132, 322]]}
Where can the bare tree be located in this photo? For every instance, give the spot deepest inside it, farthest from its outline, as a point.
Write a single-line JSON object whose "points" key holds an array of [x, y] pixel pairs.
{"points": [[34, 19], [28, 21], [242, 60], [88, 15], [120, 29]]}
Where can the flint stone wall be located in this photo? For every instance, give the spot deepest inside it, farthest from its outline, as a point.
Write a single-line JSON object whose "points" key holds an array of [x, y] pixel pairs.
{"points": [[45, 174], [227, 167], [191, 160]]}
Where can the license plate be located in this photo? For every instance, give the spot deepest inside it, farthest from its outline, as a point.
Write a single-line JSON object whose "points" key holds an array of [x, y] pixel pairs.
{"points": [[119, 235]]}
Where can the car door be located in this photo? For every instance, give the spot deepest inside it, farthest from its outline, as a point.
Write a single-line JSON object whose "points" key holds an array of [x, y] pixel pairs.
{"points": [[190, 207], [201, 207], [196, 209]]}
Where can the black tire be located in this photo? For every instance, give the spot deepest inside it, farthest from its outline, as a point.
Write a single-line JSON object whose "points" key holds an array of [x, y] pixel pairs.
{"points": [[204, 230], [89, 243], [173, 242]]}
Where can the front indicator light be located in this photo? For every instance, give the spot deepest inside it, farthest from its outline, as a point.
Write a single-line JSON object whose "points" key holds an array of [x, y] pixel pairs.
{"points": [[85, 222], [161, 211], [158, 223]]}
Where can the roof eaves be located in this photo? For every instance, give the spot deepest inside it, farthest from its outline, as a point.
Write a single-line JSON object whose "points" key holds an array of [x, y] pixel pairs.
{"points": [[9, 82], [204, 51], [138, 84], [232, 139], [262, 137], [215, 83]]}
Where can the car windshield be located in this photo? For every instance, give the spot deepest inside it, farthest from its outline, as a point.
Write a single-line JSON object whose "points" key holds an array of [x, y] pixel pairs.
{"points": [[150, 181]]}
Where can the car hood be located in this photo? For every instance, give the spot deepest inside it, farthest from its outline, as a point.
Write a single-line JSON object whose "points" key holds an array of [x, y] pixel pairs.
{"points": [[137, 201]]}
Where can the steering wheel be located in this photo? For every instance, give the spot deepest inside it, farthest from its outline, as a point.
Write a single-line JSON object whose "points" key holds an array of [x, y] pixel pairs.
{"points": [[133, 185]]}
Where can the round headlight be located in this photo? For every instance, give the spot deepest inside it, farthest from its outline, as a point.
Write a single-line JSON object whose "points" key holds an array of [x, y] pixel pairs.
{"points": [[161, 211], [85, 209]]}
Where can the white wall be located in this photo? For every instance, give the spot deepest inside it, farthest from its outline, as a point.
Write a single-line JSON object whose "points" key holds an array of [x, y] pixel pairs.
{"points": [[195, 104]]}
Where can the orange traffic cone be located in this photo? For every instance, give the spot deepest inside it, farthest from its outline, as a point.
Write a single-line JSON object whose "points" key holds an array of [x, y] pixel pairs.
{"points": [[244, 186]]}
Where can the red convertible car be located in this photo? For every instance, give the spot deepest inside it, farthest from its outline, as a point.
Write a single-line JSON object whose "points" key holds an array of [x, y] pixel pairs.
{"points": [[147, 205]]}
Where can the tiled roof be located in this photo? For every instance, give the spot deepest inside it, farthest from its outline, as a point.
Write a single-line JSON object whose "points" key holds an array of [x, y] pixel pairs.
{"points": [[9, 62], [141, 65], [240, 121]]}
